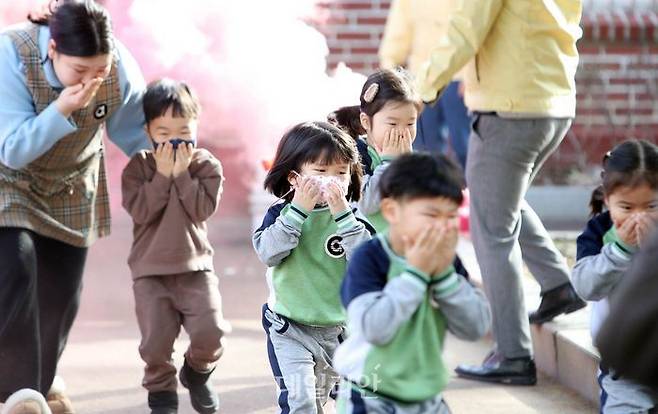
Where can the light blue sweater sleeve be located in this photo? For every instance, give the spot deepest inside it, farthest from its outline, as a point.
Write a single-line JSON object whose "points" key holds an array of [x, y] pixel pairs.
{"points": [[26, 135], [126, 126]]}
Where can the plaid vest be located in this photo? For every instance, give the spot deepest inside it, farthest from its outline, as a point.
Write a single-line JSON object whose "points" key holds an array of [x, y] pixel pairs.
{"points": [[62, 194]]}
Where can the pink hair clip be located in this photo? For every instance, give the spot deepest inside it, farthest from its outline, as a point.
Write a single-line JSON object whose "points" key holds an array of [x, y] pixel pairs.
{"points": [[371, 92]]}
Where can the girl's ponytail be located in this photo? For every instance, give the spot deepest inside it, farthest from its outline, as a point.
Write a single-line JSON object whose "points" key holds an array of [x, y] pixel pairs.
{"points": [[348, 119], [597, 200]]}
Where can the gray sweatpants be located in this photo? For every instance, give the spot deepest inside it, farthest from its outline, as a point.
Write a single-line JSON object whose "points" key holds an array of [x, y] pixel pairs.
{"points": [[301, 360], [353, 401], [621, 396], [503, 158]]}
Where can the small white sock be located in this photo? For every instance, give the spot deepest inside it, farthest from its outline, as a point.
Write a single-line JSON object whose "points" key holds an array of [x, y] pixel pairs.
{"points": [[58, 387]]}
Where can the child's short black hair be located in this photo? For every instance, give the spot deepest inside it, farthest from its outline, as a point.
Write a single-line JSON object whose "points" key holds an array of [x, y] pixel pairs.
{"points": [[318, 142], [167, 93], [419, 175]]}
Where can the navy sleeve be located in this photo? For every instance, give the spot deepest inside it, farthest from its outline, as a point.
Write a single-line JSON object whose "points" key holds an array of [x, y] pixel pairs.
{"points": [[366, 223], [366, 272], [590, 242], [459, 268], [272, 214], [366, 161]]}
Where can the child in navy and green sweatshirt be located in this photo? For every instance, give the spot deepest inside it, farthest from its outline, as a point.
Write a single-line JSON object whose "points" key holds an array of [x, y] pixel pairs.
{"points": [[402, 295], [306, 242]]}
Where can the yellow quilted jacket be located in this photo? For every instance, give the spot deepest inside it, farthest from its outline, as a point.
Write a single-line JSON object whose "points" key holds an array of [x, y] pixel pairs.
{"points": [[412, 30], [522, 55]]}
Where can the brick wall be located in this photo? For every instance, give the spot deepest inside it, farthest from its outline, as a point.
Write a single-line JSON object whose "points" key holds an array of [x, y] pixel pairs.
{"points": [[617, 80]]}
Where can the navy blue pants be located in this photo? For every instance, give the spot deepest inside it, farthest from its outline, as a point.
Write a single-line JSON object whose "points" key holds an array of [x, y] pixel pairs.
{"points": [[448, 114]]}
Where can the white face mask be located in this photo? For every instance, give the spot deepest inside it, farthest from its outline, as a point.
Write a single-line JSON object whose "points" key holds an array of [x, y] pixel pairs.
{"points": [[324, 181]]}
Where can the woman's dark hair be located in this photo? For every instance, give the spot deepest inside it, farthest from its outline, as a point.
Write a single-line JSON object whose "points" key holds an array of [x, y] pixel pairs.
{"points": [[318, 142], [393, 85], [629, 164], [421, 174], [166, 93], [80, 28]]}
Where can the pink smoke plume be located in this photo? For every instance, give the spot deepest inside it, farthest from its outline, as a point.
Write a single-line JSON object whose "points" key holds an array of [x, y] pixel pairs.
{"points": [[257, 66]]}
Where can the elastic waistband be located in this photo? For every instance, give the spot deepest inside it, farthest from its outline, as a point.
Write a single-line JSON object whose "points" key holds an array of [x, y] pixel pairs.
{"points": [[369, 390]]}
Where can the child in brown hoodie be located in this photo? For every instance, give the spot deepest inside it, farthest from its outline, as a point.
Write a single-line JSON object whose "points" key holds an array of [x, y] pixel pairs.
{"points": [[170, 192]]}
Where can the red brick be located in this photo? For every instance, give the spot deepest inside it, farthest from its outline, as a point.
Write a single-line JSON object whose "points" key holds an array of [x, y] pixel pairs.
{"points": [[634, 111], [353, 36], [604, 27], [627, 81], [601, 66], [333, 50], [375, 21], [357, 65], [644, 97], [650, 25], [587, 111], [637, 28], [335, 20], [353, 5], [598, 98], [623, 49], [365, 50], [587, 25], [589, 49], [643, 66], [618, 27]]}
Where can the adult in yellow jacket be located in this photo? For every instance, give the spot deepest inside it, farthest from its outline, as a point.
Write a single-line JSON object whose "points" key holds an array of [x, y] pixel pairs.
{"points": [[412, 28], [520, 86]]}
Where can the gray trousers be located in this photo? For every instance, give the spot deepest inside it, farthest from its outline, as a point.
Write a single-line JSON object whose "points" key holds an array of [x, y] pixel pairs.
{"points": [[503, 158], [301, 360], [353, 401]]}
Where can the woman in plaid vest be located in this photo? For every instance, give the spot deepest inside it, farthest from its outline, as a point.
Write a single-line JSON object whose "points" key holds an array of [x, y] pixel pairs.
{"points": [[61, 81]]}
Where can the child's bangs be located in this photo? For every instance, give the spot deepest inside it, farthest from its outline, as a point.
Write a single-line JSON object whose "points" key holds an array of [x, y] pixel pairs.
{"points": [[616, 180], [328, 152]]}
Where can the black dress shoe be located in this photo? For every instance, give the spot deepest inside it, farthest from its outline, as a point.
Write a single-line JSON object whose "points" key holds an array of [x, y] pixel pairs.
{"points": [[517, 371], [562, 299], [163, 402], [204, 400]]}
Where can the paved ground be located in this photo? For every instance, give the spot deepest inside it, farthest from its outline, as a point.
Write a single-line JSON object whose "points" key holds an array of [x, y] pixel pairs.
{"points": [[103, 370]]}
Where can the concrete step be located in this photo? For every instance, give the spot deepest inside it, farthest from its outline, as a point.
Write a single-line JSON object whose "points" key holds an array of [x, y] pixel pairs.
{"points": [[563, 348], [564, 351]]}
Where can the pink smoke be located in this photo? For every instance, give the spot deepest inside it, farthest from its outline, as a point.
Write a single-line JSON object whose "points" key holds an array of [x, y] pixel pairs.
{"points": [[258, 66]]}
